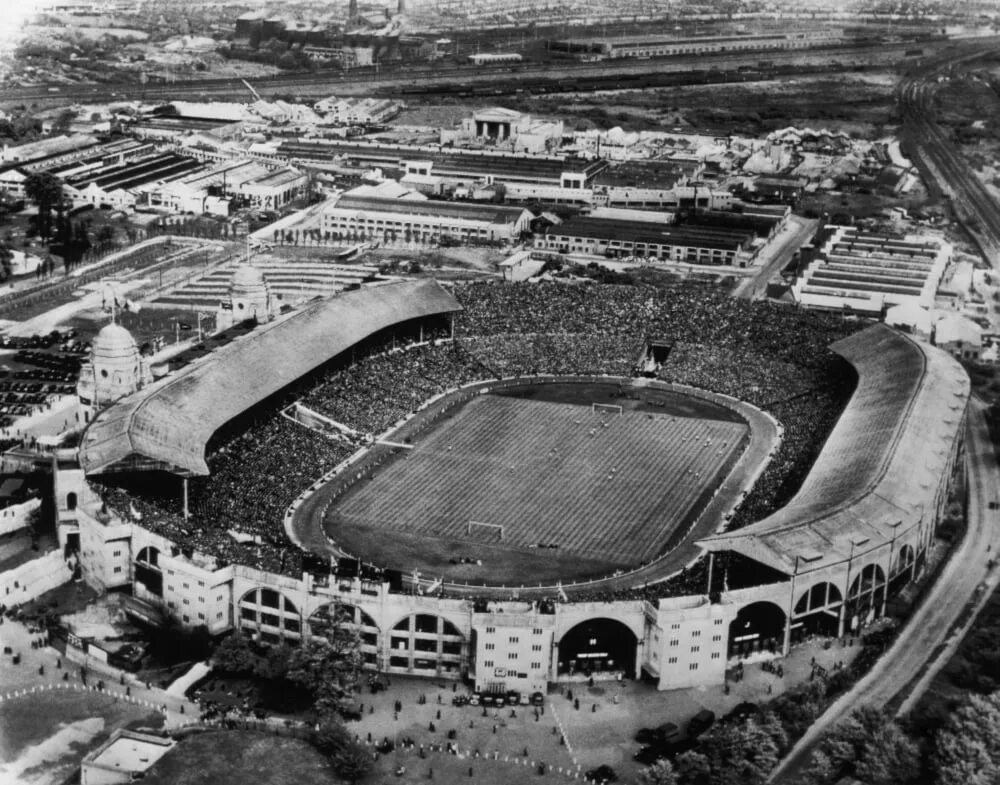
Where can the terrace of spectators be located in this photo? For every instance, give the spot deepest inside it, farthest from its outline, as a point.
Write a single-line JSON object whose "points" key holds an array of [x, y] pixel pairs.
{"points": [[880, 470], [168, 424]]}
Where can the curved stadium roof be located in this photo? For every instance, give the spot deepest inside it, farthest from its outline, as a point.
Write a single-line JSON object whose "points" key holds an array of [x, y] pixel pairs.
{"points": [[879, 471], [167, 424]]}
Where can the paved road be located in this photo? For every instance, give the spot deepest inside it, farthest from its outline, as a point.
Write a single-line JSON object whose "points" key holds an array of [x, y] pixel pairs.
{"points": [[905, 662], [796, 233]]}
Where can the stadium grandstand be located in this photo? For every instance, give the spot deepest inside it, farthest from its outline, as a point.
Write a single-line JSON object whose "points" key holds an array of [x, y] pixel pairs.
{"points": [[827, 528], [168, 424]]}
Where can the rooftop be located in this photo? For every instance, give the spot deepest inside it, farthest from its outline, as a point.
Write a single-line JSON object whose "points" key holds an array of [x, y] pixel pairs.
{"points": [[168, 424], [879, 472], [497, 214]]}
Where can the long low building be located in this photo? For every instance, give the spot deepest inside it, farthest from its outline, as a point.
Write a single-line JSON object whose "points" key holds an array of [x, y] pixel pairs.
{"points": [[622, 237], [414, 219], [858, 531], [465, 165], [869, 272]]}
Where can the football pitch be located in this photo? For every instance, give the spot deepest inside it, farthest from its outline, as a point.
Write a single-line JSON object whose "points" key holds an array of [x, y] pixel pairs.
{"points": [[538, 481]]}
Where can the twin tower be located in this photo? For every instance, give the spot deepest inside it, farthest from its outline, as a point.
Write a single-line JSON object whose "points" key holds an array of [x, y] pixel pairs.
{"points": [[116, 366]]}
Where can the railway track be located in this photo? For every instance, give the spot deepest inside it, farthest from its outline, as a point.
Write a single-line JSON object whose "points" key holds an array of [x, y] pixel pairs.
{"points": [[942, 162], [427, 80]]}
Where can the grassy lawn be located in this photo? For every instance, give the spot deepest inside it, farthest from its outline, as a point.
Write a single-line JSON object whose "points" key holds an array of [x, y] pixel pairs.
{"points": [[45, 735], [241, 757]]}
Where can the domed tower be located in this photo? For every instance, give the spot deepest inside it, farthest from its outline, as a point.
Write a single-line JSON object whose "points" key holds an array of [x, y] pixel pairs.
{"points": [[115, 369], [249, 298]]}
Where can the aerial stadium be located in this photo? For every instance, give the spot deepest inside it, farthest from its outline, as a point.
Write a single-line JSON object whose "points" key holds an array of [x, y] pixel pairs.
{"points": [[608, 480]]}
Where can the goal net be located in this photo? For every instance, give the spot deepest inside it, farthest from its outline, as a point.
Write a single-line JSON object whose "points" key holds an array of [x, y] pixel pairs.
{"points": [[493, 531], [607, 408]]}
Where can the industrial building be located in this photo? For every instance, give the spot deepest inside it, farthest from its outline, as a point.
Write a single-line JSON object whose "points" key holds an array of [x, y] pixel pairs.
{"points": [[456, 165], [403, 215], [659, 45], [649, 239], [867, 272]]}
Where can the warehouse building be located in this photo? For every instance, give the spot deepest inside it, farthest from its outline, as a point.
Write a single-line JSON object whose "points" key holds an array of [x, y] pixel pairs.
{"points": [[599, 236], [868, 272], [408, 216]]}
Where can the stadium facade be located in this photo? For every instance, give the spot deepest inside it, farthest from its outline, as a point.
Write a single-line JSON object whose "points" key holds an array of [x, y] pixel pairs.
{"points": [[856, 533]]}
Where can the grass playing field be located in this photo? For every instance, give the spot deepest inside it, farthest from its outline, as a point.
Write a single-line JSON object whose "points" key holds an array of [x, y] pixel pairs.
{"points": [[596, 491]]}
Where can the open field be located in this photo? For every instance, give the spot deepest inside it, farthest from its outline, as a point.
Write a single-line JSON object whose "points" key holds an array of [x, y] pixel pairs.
{"points": [[238, 757], [574, 490]]}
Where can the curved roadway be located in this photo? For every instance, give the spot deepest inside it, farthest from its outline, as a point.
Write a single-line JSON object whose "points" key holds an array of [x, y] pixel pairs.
{"points": [[904, 671]]}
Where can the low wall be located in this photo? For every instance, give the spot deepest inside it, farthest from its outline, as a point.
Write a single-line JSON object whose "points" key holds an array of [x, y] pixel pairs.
{"points": [[31, 579]]}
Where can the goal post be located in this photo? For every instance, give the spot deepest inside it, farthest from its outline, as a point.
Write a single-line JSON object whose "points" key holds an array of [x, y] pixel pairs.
{"points": [[607, 408], [483, 526]]}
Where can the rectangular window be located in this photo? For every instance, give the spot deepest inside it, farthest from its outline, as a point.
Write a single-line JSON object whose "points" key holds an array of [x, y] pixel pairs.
{"points": [[696, 634], [116, 554], [715, 655], [716, 638], [490, 646], [675, 626], [186, 586], [512, 639], [187, 601], [218, 615], [201, 599], [672, 660], [118, 569], [490, 630], [201, 616], [674, 642], [488, 663], [693, 666], [536, 631], [512, 655], [695, 649], [220, 598], [536, 647]]}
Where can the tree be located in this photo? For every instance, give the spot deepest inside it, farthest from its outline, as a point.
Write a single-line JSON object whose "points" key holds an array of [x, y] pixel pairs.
{"points": [[353, 762], [6, 259], [692, 768], [868, 745], [660, 773], [967, 748], [45, 190], [235, 655]]}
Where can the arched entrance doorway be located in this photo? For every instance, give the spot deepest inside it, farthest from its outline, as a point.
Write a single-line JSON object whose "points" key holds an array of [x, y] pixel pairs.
{"points": [[597, 646], [351, 618], [759, 626], [269, 615], [425, 644], [817, 612], [865, 597]]}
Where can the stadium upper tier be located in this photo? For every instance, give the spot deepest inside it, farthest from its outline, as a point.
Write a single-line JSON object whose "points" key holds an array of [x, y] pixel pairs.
{"points": [[880, 470], [168, 424]]}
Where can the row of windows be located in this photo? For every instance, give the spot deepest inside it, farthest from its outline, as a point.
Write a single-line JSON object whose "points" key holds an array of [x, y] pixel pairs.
{"points": [[514, 639], [535, 666]]}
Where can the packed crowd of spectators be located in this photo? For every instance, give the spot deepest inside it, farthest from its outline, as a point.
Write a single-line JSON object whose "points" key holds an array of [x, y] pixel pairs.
{"points": [[774, 357]]}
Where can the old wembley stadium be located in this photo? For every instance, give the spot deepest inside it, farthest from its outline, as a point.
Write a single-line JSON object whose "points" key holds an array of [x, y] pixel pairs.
{"points": [[289, 433]]}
